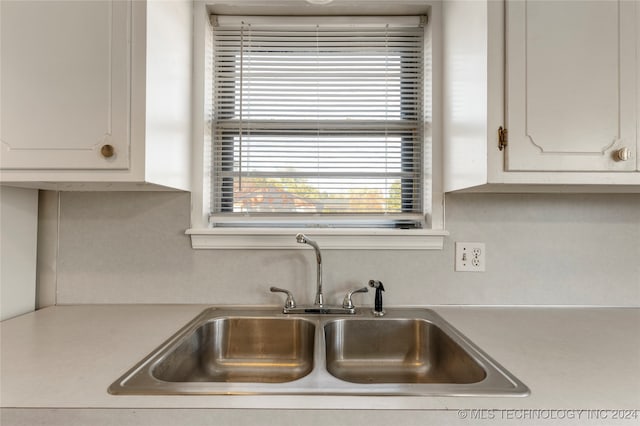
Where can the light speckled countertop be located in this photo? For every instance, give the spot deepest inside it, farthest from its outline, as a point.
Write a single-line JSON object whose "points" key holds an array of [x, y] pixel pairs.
{"points": [[570, 358]]}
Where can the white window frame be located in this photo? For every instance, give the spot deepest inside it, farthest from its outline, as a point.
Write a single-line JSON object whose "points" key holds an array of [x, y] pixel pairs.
{"points": [[204, 237]]}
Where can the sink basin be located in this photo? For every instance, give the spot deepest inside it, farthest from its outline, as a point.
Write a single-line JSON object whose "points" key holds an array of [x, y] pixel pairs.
{"points": [[396, 351], [261, 350]]}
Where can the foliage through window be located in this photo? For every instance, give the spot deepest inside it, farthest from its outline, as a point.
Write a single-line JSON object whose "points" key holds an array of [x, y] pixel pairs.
{"points": [[318, 120]]}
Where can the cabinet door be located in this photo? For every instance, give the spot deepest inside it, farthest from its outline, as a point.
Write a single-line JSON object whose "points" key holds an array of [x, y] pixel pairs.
{"points": [[65, 84], [571, 85]]}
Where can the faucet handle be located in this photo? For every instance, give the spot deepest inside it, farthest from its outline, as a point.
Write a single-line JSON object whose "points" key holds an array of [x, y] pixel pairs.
{"points": [[290, 302], [347, 303]]}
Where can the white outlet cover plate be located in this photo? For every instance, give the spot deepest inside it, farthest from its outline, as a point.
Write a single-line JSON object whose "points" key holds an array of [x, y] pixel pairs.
{"points": [[470, 257]]}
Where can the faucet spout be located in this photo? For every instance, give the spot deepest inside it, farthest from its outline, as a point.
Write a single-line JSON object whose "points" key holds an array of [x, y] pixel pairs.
{"points": [[303, 239]]}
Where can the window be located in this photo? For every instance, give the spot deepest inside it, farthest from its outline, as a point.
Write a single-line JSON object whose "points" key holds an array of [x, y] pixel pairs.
{"points": [[318, 122]]}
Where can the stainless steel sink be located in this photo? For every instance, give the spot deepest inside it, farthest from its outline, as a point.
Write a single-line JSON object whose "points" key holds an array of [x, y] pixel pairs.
{"points": [[263, 351], [397, 351]]}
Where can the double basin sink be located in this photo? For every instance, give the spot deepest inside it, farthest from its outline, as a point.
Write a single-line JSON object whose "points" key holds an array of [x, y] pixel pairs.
{"points": [[262, 351]]}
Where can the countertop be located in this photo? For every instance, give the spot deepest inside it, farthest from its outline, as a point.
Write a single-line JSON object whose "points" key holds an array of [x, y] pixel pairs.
{"points": [[570, 358]]}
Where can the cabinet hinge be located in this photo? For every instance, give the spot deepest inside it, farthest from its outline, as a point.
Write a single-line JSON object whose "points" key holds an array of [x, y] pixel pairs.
{"points": [[503, 138]]}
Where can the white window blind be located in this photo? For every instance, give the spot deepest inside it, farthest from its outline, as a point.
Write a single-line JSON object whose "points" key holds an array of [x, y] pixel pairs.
{"points": [[317, 121]]}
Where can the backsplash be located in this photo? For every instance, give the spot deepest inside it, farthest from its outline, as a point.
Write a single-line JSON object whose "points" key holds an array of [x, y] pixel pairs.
{"points": [[542, 249]]}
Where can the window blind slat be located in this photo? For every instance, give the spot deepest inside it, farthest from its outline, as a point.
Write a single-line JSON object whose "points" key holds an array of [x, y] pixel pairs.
{"points": [[318, 116]]}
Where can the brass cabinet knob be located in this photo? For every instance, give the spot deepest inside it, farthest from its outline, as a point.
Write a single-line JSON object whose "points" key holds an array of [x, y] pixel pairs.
{"points": [[623, 154], [107, 151]]}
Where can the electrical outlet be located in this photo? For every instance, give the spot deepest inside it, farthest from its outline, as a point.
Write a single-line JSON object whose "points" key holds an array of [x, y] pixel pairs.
{"points": [[470, 257]]}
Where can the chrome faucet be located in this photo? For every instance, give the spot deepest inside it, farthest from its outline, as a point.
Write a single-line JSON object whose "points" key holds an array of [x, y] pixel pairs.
{"points": [[303, 239], [318, 307]]}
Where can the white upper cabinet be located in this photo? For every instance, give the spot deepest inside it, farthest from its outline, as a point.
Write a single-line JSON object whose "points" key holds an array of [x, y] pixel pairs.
{"points": [[65, 85], [95, 94], [571, 85], [562, 78]]}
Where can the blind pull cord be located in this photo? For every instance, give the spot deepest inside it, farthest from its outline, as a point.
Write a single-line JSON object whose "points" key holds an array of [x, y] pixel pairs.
{"points": [[386, 115], [240, 106]]}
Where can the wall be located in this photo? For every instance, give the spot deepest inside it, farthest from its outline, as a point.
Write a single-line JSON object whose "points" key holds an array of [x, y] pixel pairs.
{"points": [[549, 249], [18, 237]]}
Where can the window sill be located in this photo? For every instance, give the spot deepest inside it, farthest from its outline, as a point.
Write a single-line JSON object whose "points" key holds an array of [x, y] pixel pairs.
{"points": [[338, 239]]}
